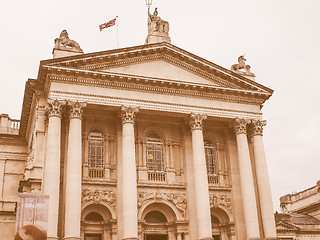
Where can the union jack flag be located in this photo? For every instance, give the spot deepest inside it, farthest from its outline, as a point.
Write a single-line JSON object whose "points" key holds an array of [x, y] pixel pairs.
{"points": [[108, 24]]}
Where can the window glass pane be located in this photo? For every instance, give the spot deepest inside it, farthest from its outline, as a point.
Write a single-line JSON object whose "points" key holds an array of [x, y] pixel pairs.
{"points": [[95, 148], [210, 156], [155, 160]]}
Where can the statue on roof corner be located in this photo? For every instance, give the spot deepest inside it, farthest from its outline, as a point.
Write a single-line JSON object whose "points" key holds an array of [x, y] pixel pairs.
{"points": [[242, 65], [65, 43]]}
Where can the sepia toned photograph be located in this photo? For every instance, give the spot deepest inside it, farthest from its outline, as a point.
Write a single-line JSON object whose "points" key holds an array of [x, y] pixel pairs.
{"points": [[160, 120]]}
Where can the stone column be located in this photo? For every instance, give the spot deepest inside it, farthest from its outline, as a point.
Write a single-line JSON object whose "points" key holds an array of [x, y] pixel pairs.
{"points": [[246, 181], [202, 202], [73, 173], [264, 189], [51, 178], [129, 176]]}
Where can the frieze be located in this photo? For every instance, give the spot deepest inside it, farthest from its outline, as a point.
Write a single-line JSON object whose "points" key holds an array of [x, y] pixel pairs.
{"points": [[147, 104], [178, 199], [98, 196], [167, 91], [221, 201]]}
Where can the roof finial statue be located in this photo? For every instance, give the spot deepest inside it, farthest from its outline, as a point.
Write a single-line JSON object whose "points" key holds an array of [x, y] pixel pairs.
{"points": [[242, 65], [64, 46], [158, 29]]}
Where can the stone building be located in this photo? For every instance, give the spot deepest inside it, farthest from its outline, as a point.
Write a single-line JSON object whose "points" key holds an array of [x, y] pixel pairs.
{"points": [[300, 217], [147, 142]]}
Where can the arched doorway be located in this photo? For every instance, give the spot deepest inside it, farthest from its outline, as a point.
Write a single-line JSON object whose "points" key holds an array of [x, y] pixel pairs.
{"points": [[96, 223], [222, 228], [155, 226]]}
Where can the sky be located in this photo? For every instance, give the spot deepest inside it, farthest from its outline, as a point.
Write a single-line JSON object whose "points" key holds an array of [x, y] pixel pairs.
{"points": [[280, 39]]}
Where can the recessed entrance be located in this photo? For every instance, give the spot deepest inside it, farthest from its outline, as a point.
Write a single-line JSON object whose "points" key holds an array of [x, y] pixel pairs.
{"points": [[89, 236], [156, 237]]}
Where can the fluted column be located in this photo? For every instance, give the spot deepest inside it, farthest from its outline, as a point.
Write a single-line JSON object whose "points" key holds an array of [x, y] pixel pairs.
{"points": [[246, 181], [73, 173], [264, 189], [51, 178], [200, 178], [129, 176]]}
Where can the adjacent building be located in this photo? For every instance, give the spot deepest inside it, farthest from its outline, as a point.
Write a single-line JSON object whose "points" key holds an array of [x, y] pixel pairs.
{"points": [[300, 217], [148, 142]]}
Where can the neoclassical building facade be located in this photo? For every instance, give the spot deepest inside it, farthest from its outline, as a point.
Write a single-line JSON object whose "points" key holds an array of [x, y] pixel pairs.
{"points": [[148, 142]]}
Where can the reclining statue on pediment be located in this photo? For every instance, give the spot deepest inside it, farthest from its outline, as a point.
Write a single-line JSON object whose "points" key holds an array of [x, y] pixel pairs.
{"points": [[241, 65], [65, 43]]}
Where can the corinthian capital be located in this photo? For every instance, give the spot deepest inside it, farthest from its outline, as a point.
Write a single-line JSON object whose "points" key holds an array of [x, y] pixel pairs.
{"points": [[257, 127], [240, 126], [128, 114], [54, 108], [196, 121], [76, 109]]}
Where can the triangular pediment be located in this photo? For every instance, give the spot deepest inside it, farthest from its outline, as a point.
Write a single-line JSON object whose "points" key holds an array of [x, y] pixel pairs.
{"points": [[285, 226], [161, 69], [160, 62]]}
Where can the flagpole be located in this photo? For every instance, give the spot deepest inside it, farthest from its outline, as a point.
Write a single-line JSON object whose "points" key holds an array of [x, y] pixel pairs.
{"points": [[117, 33]]}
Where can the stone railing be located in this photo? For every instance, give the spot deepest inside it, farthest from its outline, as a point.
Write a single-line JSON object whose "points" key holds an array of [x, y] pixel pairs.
{"points": [[213, 179], [157, 176], [96, 172], [8, 125], [219, 180]]}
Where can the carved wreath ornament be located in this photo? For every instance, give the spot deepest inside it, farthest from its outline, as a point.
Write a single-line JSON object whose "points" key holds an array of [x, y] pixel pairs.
{"points": [[178, 199], [98, 196]]}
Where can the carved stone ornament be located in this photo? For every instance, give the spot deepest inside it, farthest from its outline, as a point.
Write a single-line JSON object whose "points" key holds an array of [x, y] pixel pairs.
{"points": [[98, 196], [128, 114], [76, 109], [242, 65], [221, 201], [257, 127], [196, 121], [156, 24], [65, 43], [240, 126], [54, 108], [178, 199]]}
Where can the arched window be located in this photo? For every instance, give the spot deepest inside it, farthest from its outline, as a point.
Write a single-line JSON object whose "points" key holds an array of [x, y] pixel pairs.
{"points": [[155, 217], [94, 217], [155, 155], [96, 149], [210, 156]]}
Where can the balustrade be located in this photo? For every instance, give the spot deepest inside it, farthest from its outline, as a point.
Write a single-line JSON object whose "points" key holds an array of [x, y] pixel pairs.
{"points": [[96, 172], [157, 176]]}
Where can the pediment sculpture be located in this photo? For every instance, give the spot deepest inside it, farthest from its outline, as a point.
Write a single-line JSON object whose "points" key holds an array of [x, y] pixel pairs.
{"points": [[242, 65], [65, 43]]}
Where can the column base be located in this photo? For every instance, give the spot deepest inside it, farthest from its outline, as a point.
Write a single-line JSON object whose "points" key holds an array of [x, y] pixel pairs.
{"points": [[52, 238], [72, 238]]}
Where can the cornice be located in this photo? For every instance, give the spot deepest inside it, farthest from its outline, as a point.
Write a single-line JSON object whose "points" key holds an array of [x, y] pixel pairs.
{"points": [[167, 58], [151, 84], [153, 105], [81, 61]]}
